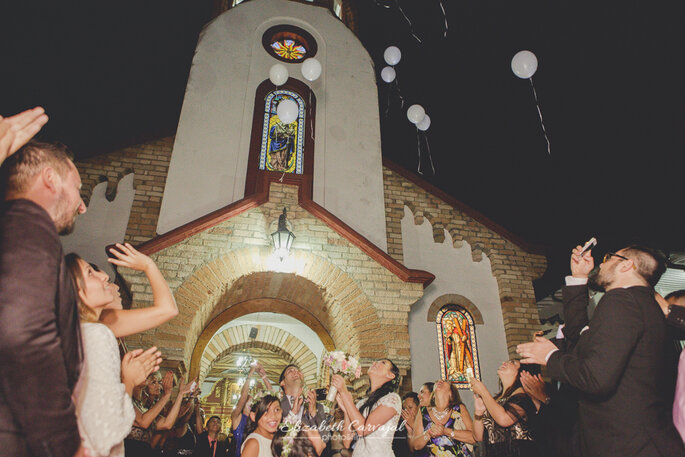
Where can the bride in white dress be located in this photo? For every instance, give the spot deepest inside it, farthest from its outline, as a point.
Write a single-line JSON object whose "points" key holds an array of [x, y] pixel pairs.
{"points": [[102, 395], [375, 417]]}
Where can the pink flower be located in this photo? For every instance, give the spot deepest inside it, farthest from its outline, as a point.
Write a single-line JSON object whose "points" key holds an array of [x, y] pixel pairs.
{"points": [[358, 372], [344, 365]]}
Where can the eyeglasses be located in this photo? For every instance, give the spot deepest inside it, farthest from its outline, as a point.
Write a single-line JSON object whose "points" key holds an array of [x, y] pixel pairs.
{"points": [[609, 255]]}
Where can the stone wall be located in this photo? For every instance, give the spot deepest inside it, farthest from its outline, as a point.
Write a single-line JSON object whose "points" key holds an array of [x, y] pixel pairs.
{"points": [[513, 267]]}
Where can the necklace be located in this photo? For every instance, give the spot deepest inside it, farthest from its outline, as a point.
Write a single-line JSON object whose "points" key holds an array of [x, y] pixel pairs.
{"points": [[440, 415]]}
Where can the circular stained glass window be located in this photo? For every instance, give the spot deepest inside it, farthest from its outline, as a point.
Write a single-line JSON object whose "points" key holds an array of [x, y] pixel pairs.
{"points": [[289, 44]]}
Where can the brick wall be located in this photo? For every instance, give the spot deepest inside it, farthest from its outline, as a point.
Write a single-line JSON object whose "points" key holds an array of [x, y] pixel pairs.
{"points": [[513, 267], [364, 280], [363, 307], [150, 163]]}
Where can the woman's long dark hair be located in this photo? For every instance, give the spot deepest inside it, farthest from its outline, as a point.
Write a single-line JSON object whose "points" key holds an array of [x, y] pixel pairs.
{"points": [[389, 386], [302, 447], [260, 408]]}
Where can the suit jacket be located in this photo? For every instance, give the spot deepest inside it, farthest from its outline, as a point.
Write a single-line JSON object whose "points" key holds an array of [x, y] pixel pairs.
{"points": [[40, 349], [321, 421], [619, 366], [202, 447]]}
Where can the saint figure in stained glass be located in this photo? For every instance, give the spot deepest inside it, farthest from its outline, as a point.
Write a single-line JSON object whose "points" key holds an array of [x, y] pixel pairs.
{"points": [[282, 144], [457, 345]]}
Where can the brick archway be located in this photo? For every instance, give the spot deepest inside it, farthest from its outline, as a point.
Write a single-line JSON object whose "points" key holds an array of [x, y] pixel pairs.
{"points": [[313, 290], [271, 338], [454, 299]]}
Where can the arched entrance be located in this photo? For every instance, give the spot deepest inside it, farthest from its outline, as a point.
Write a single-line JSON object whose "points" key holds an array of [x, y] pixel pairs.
{"points": [[312, 290]]}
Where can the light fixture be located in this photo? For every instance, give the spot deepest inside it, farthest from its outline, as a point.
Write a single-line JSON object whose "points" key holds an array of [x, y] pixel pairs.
{"points": [[282, 238]]}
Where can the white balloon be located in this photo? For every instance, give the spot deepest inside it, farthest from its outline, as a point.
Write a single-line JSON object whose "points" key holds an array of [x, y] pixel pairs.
{"points": [[311, 69], [287, 111], [388, 74], [278, 74], [392, 55], [524, 64], [415, 114], [424, 124]]}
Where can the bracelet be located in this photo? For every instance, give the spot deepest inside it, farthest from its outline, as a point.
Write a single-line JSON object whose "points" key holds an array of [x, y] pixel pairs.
{"points": [[478, 417], [425, 435], [452, 434]]}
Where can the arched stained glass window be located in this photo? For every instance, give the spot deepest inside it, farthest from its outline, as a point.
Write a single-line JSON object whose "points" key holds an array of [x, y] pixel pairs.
{"points": [[282, 146], [457, 345]]}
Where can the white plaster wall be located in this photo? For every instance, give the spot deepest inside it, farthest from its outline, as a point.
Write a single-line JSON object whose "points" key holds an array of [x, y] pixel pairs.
{"points": [[209, 160], [455, 273], [103, 223]]}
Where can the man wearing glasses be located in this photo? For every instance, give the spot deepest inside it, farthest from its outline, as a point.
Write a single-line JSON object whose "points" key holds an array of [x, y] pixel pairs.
{"points": [[618, 362]]}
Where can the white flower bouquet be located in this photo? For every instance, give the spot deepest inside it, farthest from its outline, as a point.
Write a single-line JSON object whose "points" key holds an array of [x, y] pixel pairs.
{"points": [[343, 364]]}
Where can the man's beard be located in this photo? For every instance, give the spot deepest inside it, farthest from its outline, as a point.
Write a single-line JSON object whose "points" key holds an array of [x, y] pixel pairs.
{"points": [[597, 282], [65, 221], [68, 228]]}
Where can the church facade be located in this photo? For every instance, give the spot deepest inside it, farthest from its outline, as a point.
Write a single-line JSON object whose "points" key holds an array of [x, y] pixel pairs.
{"points": [[383, 265]]}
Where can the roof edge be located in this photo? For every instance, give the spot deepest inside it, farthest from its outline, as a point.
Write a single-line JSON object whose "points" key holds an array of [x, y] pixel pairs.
{"points": [[460, 206], [203, 223]]}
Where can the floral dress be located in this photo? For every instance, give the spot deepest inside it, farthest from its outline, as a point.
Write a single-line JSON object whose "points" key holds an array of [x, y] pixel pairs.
{"points": [[443, 445]]}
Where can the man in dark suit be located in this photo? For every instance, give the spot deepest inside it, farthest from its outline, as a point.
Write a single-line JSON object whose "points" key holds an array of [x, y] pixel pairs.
{"points": [[40, 348], [619, 363], [208, 443], [295, 407]]}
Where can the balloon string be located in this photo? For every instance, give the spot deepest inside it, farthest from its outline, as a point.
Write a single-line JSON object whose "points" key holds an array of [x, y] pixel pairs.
{"points": [[542, 123], [430, 156], [399, 92], [418, 150], [311, 120], [444, 15], [411, 27], [387, 106]]}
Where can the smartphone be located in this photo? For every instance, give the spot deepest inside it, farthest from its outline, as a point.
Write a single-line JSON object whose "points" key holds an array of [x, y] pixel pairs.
{"points": [[591, 243], [321, 394]]}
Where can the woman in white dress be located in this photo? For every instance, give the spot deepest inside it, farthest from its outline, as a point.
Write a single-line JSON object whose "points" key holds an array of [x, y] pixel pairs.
{"points": [[100, 303], [103, 394], [374, 418], [265, 416]]}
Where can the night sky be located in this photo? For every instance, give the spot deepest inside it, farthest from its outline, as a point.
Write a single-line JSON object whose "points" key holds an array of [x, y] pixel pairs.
{"points": [[610, 85]]}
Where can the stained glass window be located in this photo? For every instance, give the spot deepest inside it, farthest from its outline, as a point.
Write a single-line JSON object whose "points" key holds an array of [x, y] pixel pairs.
{"points": [[457, 345], [289, 43], [282, 144], [289, 49]]}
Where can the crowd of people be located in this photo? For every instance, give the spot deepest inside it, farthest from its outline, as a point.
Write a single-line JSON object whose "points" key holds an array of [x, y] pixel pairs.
{"points": [[65, 389]]}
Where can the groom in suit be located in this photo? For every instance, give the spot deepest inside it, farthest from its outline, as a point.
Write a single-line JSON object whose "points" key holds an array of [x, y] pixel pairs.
{"points": [[619, 363], [295, 407]]}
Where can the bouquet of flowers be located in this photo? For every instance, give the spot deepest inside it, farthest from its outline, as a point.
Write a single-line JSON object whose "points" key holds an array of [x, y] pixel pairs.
{"points": [[343, 364]]}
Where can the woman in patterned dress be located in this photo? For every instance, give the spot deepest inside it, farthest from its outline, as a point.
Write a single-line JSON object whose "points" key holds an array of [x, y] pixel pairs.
{"points": [[374, 418], [501, 422], [444, 428]]}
